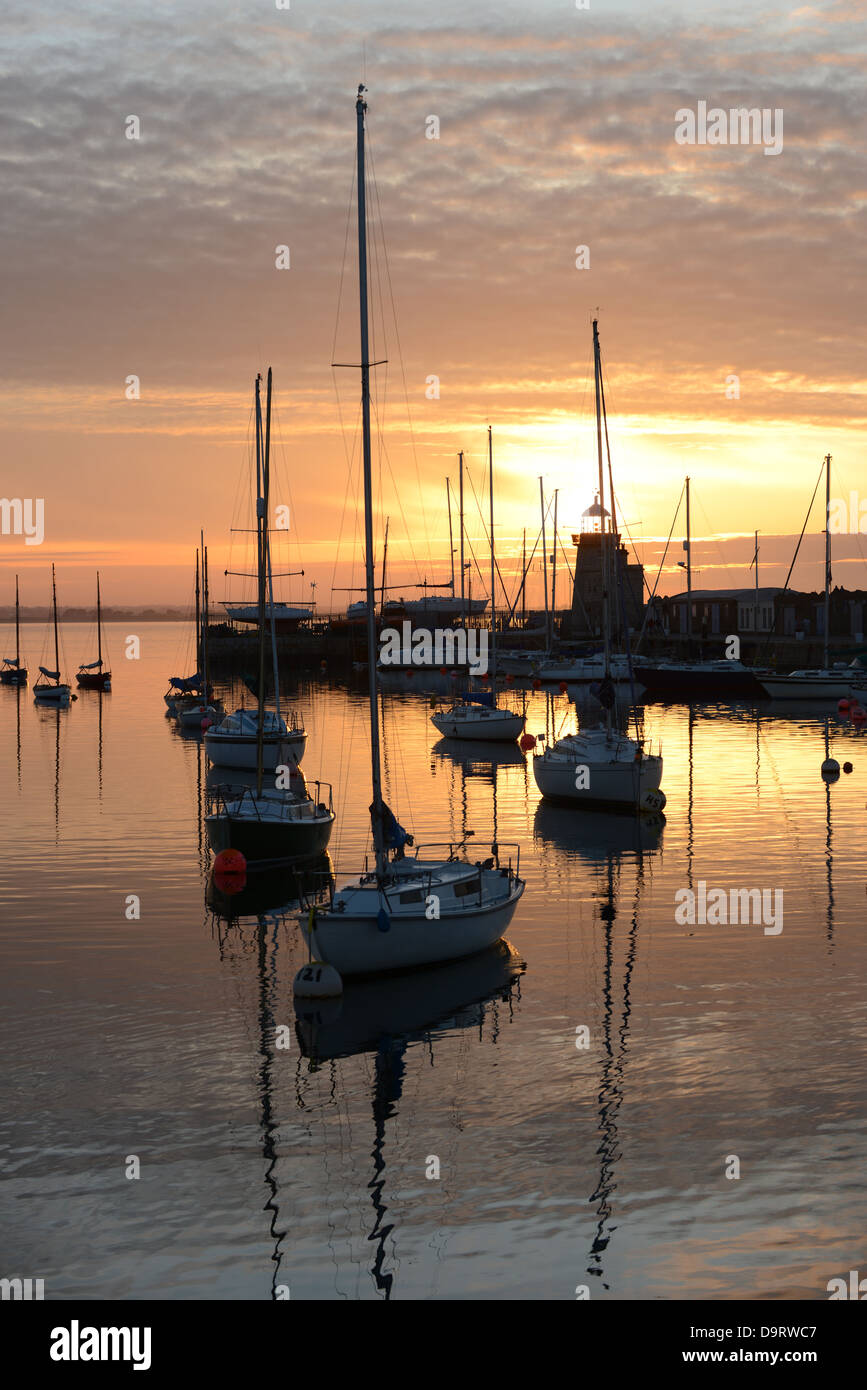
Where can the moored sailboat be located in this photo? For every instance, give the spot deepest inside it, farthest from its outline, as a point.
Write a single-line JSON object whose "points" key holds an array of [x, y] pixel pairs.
{"points": [[12, 672], [93, 677], [268, 824], [601, 766], [49, 689], [403, 912]]}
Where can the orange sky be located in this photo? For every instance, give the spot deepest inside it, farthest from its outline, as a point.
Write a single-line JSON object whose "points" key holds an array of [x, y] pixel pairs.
{"points": [[156, 258]]}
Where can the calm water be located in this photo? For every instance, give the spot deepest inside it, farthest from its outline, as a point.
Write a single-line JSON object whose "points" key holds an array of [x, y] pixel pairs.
{"points": [[264, 1166]]}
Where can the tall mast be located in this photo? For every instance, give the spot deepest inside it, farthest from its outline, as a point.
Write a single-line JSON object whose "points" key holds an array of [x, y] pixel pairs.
{"points": [[554, 566], [827, 560], [756, 605], [461, 520], [266, 536], [261, 522], [376, 771], [688, 568], [597, 371], [493, 662], [524, 580], [204, 613], [384, 558], [198, 634], [98, 623], [451, 537], [545, 567], [56, 645], [17, 625]]}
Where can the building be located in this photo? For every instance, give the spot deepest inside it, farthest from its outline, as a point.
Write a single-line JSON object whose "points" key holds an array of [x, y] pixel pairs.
{"points": [[586, 614]]}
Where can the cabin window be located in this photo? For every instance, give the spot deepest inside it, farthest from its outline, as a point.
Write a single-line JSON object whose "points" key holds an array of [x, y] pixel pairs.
{"points": [[413, 895], [470, 885]]}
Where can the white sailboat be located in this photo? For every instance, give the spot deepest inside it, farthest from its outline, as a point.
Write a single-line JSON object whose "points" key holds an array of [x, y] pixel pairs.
{"points": [[268, 824], [477, 717], [49, 689], [601, 766], [403, 912], [828, 682]]}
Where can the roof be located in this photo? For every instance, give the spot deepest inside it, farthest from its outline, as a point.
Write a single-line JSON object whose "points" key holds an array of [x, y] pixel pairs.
{"points": [[738, 595]]}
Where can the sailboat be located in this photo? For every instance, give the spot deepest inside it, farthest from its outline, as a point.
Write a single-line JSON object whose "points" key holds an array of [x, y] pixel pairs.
{"points": [[12, 672], [601, 766], [191, 713], [93, 677], [828, 682], [184, 691], [476, 716], [405, 911], [268, 824], [49, 689]]}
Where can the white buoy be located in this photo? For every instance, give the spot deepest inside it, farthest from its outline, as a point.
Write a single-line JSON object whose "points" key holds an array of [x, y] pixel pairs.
{"points": [[830, 769], [317, 980], [654, 801]]}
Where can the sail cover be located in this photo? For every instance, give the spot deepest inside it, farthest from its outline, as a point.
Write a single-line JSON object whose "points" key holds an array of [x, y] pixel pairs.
{"points": [[52, 675], [393, 832], [93, 666], [7, 661], [191, 682], [478, 697]]}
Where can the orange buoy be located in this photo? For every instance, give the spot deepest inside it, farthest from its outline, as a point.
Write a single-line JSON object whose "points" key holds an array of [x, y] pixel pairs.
{"points": [[563, 687], [230, 863]]}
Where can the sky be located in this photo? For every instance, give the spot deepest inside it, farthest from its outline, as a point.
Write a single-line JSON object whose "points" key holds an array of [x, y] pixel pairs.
{"points": [[154, 258]]}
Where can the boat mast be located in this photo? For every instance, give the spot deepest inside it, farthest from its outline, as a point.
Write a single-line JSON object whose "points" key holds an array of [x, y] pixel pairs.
{"points": [[266, 532], [198, 633], [204, 614], [554, 567], [827, 561], [261, 520], [384, 558], [493, 661], [524, 580], [545, 567], [597, 371], [56, 645], [17, 632], [756, 603], [688, 549], [376, 771], [98, 624], [461, 519], [451, 536]]}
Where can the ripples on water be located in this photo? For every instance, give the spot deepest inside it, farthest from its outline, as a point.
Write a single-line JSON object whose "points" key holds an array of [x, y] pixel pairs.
{"points": [[305, 1166]]}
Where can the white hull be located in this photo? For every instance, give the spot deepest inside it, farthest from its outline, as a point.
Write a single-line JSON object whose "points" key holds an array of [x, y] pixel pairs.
{"points": [[58, 695], [584, 670], [192, 718], [354, 945], [818, 687], [488, 725], [229, 750], [616, 781]]}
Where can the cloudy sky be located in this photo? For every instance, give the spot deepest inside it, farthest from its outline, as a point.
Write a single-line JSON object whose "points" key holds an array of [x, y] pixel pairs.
{"points": [[155, 258]]}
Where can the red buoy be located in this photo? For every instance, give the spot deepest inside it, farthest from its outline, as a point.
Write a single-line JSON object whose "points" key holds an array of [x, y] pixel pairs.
{"points": [[563, 687], [443, 671], [230, 863], [206, 722], [843, 705], [510, 679], [527, 742], [858, 714], [537, 684]]}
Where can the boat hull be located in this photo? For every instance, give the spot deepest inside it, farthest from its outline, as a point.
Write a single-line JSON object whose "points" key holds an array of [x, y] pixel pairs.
{"points": [[239, 750], [677, 683], [628, 785], [99, 680], [355, 945], [58, 695], [803, 688], [496, 726], [261, 842], [13, 677]]}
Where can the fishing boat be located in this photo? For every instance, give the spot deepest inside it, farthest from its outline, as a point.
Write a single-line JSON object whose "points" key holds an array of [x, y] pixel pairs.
{"points": [[12, 672], [601, 766], [192, 713], [268, 824], [404, 911], [93, 677], [49, 689], [827, 682], [478, 716]]}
